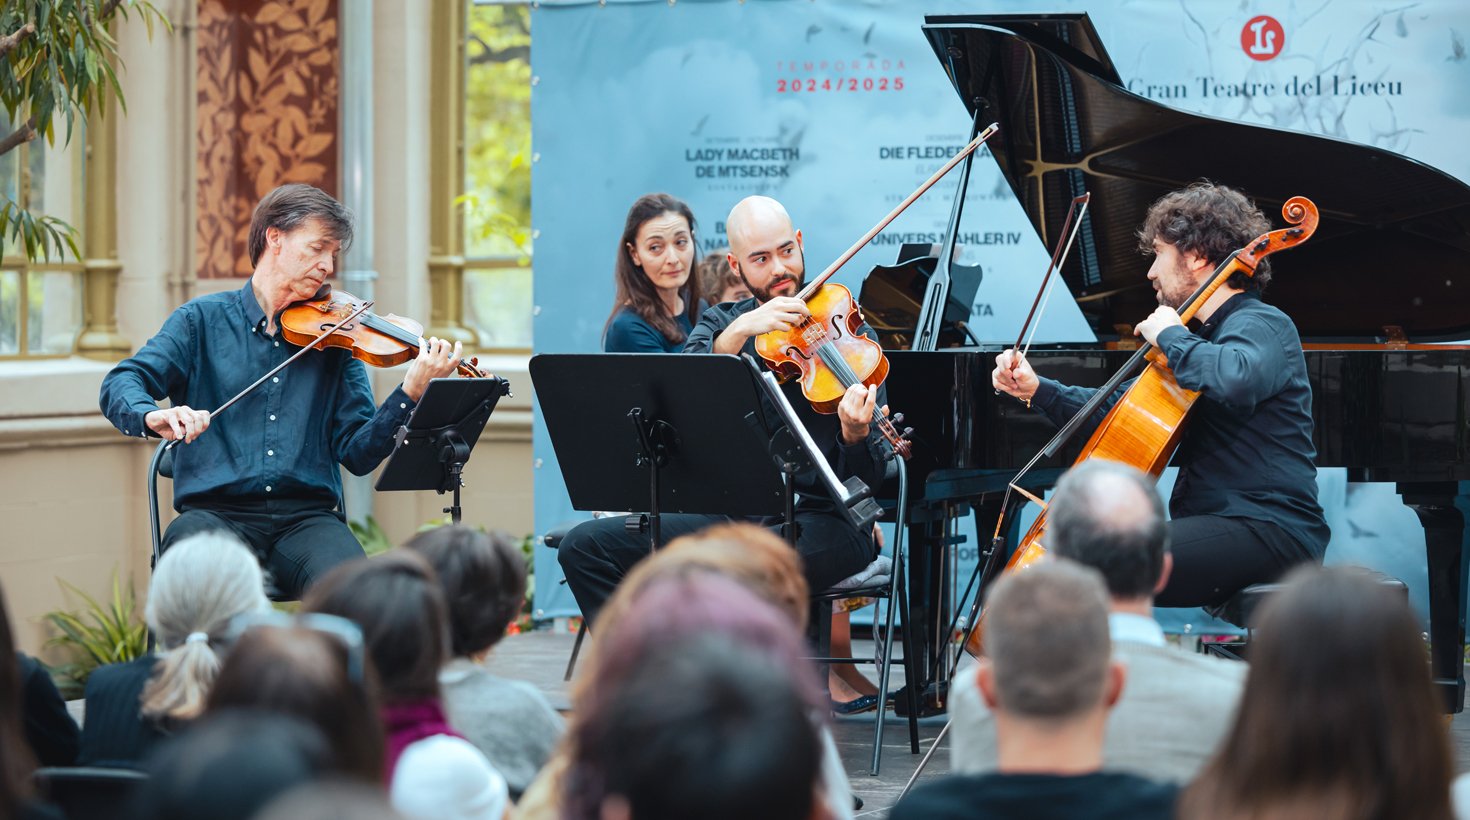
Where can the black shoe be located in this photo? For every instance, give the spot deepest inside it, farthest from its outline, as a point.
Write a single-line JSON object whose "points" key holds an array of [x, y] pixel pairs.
{"points": [[933, 701]]}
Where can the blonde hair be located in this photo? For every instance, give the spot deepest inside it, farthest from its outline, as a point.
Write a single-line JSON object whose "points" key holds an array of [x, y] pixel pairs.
{"points": [[200, 584]]}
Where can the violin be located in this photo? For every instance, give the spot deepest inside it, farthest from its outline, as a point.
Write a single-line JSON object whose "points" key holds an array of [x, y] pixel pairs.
{"points": [[381, 341], [825, 351], [1145, 425], [336, 318]]}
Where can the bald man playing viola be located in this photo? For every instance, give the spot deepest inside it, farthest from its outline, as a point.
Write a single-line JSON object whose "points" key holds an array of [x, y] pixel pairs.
{"points": [[766, 250]]}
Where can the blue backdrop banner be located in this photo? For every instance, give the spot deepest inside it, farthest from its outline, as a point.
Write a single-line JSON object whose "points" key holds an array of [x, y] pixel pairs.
{"points": [[840, 109]]}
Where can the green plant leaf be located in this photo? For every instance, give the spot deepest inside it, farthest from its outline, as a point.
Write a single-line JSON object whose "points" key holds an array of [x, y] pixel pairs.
{"points": [[98, 634]]}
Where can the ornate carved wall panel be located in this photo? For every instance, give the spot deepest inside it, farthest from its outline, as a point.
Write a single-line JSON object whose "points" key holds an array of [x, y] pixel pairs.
{"points": [[267, 114]]}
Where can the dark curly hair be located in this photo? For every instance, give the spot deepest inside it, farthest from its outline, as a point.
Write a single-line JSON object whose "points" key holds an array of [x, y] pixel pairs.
{"points": [[1210, 221]]}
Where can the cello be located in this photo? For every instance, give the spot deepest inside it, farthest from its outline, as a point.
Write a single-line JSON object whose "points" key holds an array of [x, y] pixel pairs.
{"points": [[1144, 426]]}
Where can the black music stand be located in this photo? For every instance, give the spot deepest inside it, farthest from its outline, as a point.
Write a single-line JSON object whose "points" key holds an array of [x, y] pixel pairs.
{"points": [[661, 432], [431, 449], [791, 446]]}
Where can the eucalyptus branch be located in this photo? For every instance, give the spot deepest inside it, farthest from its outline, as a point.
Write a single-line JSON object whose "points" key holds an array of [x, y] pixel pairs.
{"points": [[12, 40], [498, 55], [18, 137]]}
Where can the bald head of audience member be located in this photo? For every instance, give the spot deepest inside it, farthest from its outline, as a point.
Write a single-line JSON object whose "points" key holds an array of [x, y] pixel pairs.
{"points": [[765, 249], [1108, 516], [1049, 677]]}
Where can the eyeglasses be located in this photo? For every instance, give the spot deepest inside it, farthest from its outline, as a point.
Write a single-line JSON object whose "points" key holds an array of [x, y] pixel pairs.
{"points": [[335, 626]]}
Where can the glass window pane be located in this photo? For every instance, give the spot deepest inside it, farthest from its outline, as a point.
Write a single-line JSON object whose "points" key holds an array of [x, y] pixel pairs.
{"points": [[36, 159], [498, 132], [56, 182], [498, 305], [10, 167], [9, 312], [54, 314]]}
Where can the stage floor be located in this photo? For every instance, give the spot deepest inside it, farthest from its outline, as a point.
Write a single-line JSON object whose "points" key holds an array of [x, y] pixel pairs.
{"points": [[541, 657]]}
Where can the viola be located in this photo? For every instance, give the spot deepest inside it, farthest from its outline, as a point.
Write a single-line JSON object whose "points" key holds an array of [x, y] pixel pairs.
{"points": [[825, 350], [828, 354], [1145, 425], [381, 341]]}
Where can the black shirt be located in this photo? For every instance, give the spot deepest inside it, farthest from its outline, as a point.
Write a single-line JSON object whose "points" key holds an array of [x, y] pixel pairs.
{"points": [[52, 734], [1247, 448], [867, 459], [115, 732], [1096, 796]]}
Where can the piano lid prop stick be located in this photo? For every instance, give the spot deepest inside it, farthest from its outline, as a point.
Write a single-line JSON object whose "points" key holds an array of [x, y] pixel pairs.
{"points": [[815, 284]]}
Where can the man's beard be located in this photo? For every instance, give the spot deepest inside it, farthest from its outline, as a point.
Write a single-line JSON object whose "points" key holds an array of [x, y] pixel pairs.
{"points": [[764, 294]]}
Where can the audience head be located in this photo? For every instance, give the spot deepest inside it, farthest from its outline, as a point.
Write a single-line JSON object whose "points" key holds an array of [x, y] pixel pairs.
{"points": [[1048, 652], [1108, 516], [705, 726], [765, 248], [484, 582], [331, 800], [396, 601], [200, 585], [695, 602], [656, 260], [1338, 718], [718, 281], [694, 605], [229, 765], [750, 555], [311, 675], [16, 760]]}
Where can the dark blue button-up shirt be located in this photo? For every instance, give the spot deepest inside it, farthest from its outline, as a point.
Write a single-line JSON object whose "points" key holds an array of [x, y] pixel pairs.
{"points": [[281, 442]]}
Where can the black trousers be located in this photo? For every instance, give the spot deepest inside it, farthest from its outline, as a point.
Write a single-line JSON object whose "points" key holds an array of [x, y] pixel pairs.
{"points": [[296, 542], [595, 555], [1216, 557]]}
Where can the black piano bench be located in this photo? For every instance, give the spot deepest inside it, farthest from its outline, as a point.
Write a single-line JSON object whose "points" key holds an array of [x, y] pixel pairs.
{"points": [[1240, 609]]}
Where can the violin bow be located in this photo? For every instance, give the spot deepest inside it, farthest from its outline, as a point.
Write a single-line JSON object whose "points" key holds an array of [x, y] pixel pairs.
{"points": [[1065, 238], [1075, 213], [811, 287]]}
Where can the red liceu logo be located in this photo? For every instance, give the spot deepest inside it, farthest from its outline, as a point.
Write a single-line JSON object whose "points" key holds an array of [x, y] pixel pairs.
{"points": [[1262, 38]]}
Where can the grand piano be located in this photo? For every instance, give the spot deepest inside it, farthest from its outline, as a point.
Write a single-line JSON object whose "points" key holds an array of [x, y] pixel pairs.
{"points": [[1384, 276]]}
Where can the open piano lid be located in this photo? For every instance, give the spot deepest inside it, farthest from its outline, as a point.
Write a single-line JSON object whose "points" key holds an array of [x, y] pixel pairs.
{"points": [[1392, 248]]}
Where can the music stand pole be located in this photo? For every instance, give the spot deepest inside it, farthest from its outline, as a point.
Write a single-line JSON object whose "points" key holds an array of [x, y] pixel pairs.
{"points": [[653, 454], [431, 449]]}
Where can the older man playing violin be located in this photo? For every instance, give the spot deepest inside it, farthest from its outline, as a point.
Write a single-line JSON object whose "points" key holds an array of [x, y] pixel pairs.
{"points": [[766, 250], [267, 470], [1244, 508]]}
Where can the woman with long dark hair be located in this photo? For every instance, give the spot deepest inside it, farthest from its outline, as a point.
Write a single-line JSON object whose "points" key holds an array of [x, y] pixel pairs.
{"points": [[432, 771], [658, 299], [1338, 720]]}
